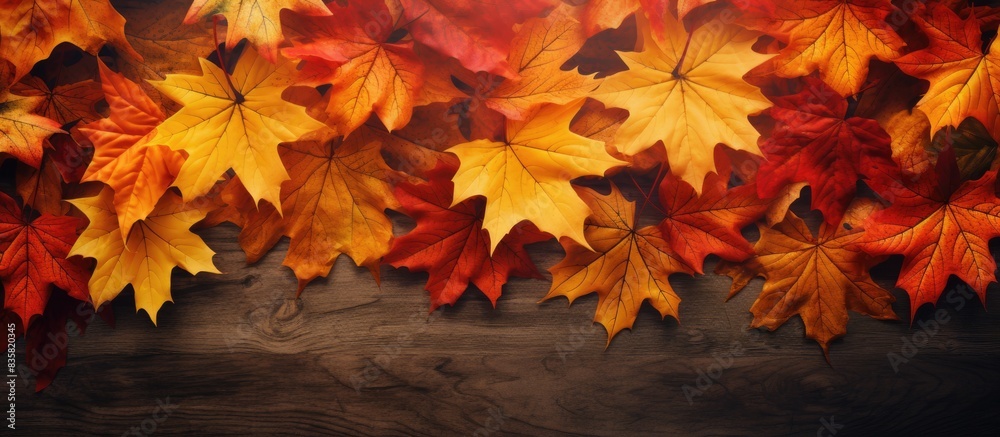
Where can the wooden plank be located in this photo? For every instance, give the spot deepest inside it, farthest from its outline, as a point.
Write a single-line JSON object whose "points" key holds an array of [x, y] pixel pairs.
{"points": [[238, 354]]}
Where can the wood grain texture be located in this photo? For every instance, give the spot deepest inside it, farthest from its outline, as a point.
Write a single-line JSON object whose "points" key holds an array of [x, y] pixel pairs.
{"points": [[239, 355]]}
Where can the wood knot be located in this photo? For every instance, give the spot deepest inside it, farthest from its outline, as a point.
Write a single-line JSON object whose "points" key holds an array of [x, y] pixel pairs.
{"points": [[282, 319], [249, 280]]}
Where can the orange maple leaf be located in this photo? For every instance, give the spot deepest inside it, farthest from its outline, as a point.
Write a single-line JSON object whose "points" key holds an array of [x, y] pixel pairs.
{"points": [[540, 47], [21, 132], [838, 38], [30, 29], [627, 266], [369, 71], [964, 81], [819, 277], [65, 103], [335, 203], [139, 172]]}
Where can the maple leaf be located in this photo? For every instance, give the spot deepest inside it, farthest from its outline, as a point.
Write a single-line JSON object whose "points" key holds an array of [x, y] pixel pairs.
{"points": [[599, 123], [335, 203], [688, 92], [964, 81], [70, 156], [235, 122], [838, 38], [144, 257], [815, 141], [450, 243], [439, 83], [417, 148], [21, 132], [156, 29], [476, 32], [974, 148], [539, 48], [915, 151], [710, 223], [819, 277], [368, 70], [138, 172], [65, 103], [527, 177], [30, 29], [63, 318], [627, 266], [942, 227], [599, 54], [599, 15], [910, 140], [33, 258], [41, 188], [257, 21]]}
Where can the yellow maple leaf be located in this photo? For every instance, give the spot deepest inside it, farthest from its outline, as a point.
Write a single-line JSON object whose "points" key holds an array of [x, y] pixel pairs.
{"points": [[687, 90], [21, 132], [627, 266], [527, 177], [257, 21], [147, 255], [236, 126]]}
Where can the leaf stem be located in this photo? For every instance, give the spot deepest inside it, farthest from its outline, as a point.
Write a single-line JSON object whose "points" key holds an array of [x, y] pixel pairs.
{"points": [[646, 196], [680, 62], [222, 63]]}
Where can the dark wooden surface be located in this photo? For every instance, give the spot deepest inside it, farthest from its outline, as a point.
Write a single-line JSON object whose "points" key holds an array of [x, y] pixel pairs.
{"points": [[239, 355]]}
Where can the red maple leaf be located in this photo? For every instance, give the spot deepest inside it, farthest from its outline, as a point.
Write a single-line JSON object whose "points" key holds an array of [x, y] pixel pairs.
{"points": [[47, 340], [815, 141], [33, 257], [451, 244], [696, 226], [476, 32], [941, 225]]}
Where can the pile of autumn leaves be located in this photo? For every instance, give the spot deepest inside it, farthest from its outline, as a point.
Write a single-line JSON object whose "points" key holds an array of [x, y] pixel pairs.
{"points": [[494, 126]]}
